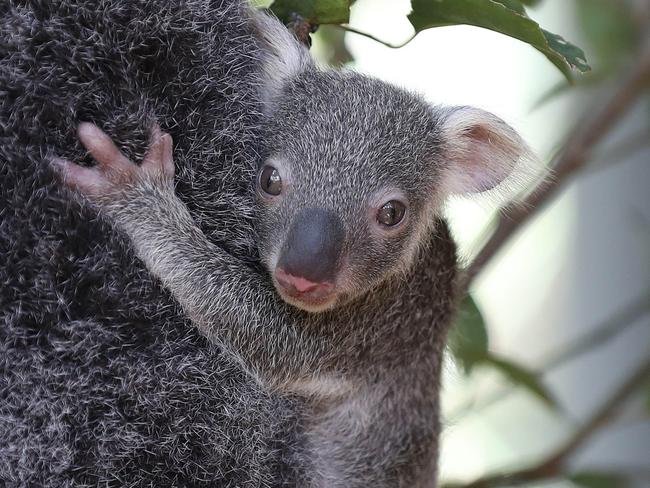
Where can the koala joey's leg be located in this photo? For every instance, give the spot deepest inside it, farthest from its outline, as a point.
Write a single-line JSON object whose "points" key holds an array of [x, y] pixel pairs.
{"points": [[229, 302]]}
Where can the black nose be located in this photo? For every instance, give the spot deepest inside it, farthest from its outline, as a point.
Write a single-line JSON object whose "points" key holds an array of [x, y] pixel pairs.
{"points": [[313, 245]]}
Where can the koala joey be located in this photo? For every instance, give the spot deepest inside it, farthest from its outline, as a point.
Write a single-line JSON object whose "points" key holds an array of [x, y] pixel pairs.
{"points": [[351, 306]]}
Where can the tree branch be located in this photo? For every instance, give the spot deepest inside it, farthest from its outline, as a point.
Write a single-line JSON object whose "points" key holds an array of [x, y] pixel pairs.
{"points": [[552, 466], [571, 160]]}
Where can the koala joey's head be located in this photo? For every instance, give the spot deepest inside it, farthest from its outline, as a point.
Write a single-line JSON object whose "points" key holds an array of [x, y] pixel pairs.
{"points": [[356, 171]]}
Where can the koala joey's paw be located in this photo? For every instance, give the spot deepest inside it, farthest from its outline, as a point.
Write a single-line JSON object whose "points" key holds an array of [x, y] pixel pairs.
{"points": [[114, 172]]}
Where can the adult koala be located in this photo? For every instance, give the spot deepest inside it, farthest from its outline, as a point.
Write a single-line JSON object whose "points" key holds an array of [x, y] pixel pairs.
{"points": [[103, 381]]}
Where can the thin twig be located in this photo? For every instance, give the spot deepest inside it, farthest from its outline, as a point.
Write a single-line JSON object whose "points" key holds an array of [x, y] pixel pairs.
{"points": [[613, 326], [552, 466], [347, 28], [573, 158]]}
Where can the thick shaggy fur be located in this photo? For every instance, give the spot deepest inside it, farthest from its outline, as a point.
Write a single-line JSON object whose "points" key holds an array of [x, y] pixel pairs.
{"points": [[103, 381]]}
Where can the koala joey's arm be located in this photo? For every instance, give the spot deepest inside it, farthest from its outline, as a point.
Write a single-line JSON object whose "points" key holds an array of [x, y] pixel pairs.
{"points": [[230, 302]]}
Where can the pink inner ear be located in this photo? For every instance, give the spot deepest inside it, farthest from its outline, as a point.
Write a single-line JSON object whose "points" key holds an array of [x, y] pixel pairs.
{"points": [[483, 146], [478, 133], [482, 150]]}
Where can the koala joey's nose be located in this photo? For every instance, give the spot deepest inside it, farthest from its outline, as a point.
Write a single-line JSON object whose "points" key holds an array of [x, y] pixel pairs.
{"points": [[312, 248], [298, 286]]}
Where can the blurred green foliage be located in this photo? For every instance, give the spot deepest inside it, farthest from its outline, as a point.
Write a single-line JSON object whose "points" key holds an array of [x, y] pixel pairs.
{"points": [[521, 376], [469, 345], [593, 479], [612, 31], [609, 30], [468, 339]]}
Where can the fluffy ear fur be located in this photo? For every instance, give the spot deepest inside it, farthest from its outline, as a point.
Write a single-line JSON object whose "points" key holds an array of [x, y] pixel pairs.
{"points": [[481, 151], [284, 57]]}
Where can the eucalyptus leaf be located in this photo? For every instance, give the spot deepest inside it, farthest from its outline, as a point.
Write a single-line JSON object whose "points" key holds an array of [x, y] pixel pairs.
{"points": [[514, 5], [593, 479], [505, 16], [468, 339], [313, 11], [521, 376]]}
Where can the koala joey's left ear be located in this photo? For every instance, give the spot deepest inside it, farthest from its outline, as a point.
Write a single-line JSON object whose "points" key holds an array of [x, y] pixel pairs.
{"points": [[283, 56], [480, 151]]}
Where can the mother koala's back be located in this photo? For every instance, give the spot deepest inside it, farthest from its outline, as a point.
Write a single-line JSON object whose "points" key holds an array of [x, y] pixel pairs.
{"points": [[102, 380]]}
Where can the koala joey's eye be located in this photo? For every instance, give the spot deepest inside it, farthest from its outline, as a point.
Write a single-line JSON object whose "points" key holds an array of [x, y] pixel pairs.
{"points": [[270, 181], [391, 213]]}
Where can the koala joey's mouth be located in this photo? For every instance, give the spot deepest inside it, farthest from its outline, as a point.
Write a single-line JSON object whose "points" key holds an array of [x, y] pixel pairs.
{"points": [[304, 294]]}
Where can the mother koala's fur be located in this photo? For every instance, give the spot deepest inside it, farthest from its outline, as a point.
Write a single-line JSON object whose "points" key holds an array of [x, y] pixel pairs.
{"points": [[103, 382]]}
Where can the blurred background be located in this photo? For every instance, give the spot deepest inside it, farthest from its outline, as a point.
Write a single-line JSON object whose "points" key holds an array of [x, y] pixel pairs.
{"points": [[565, 303]]}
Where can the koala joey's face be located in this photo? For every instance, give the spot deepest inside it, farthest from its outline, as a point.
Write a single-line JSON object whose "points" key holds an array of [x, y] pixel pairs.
{"points": [[356, 171]]}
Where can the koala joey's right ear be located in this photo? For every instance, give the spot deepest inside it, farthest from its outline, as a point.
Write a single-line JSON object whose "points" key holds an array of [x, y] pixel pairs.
{"points": [[283, 56], [481, 151]]}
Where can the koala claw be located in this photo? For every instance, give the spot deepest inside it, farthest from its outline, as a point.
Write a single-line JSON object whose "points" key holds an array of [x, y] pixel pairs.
{"points": [[113, 170]]}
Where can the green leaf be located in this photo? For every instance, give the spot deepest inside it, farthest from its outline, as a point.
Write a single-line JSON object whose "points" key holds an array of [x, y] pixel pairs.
{"points": [[314, 11], [514, 5], [593, 479], [469, 342], [521, 376], [468, 337], [505, 16]]}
